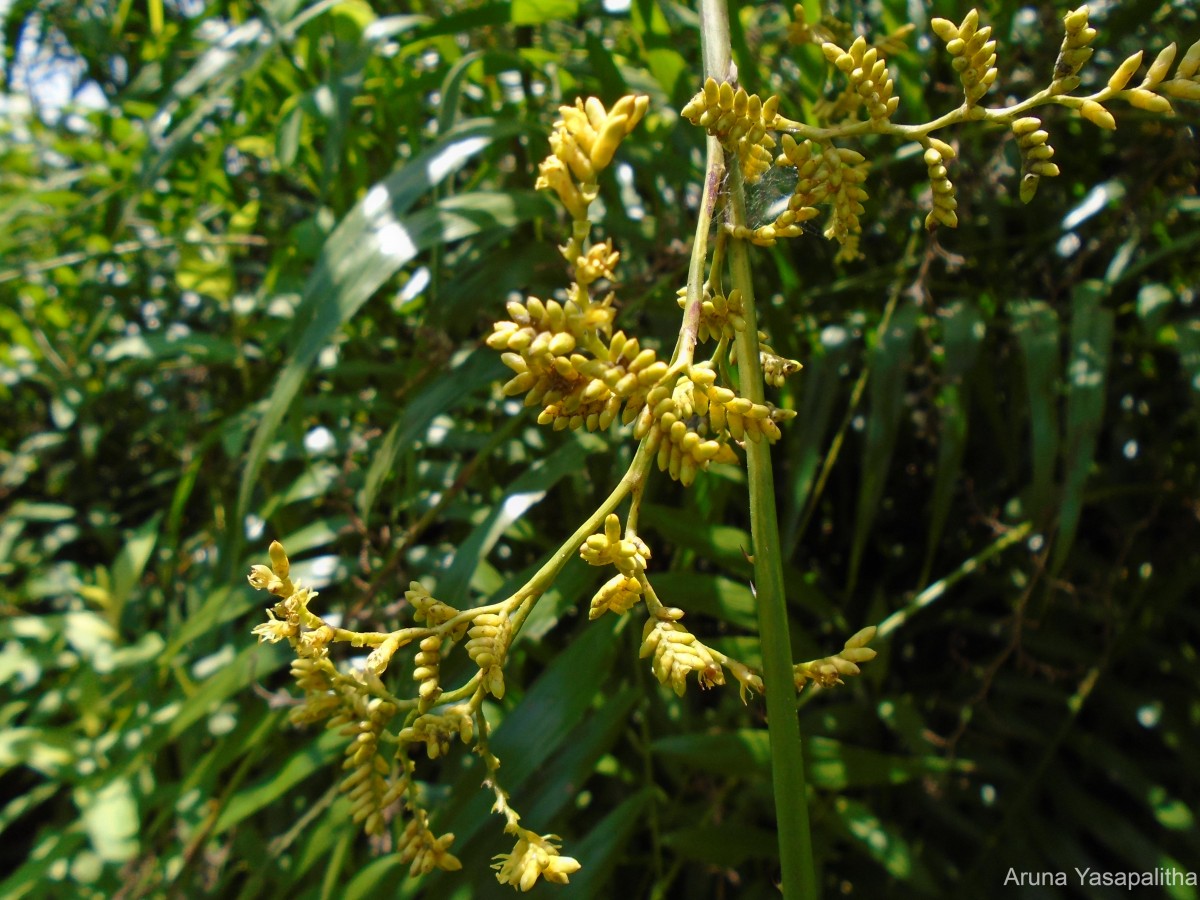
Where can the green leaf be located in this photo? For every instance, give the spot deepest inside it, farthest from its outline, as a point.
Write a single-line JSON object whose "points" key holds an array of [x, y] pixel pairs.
{"points": [[832, 764], [1091, 342], [884, 844], [723, 544], [253, 662], [535, 12], [443, 395], [21, 806], [206, 270], [605, 845], [376, 878], [668, 67], [41, 512], [1189, 354], [538, 728], [1154, 301], [709, 595], [561, 782], [728, 844], [369, 247], [110, 818], [1036, 327], [727, 546], [963, 333], [129, 565], [529, 489], [44, 751], [806, 446], [747, 750], [891, 359], [316, 756], [452, 87], [53, 850], [229, 61]]}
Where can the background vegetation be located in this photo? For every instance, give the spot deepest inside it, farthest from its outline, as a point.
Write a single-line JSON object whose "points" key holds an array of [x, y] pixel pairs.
{"points": [[212, 336]]}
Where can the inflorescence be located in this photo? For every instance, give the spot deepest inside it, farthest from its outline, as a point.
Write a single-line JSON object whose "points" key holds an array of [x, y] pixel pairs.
{"points": [[832, 175], [686, 414]]}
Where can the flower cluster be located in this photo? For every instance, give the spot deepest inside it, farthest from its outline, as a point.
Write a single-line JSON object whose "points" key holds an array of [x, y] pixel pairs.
{"points": [[833, 175], [350, 704], [675, 651], [568, 362], [676, 654], [867, 72], [721, 316], [426, 669], [565, 361], [937, 154], [801, 31], [828, 671], [582, 144], [619, 594], [973, 51], [433, 612], [363, 718], [438, 730], [489, 638], [1186, 83], [629, 555], [423, 850], [739, 120], [1075, 51], [690, 424], [534, 856], [775, 368], [608, 548], [379, 783], [1036, 152], [1148, 94]]}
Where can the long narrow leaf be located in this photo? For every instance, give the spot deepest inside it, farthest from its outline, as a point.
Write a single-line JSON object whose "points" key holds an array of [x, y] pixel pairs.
{"points": [[1036, 327], [891, 359], [369, 247], [964, 331], [1091, 342]]}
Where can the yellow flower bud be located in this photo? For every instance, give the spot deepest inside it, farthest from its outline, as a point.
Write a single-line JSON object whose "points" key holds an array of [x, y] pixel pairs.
{"points": [[1190, 64], [1097, 114], [1161, 65], [279, 560], [1184, 90], [1076, 19], [1026, 125], [861, 638], [1124, 72], [1148, 100], [858, 654], [609, 139], [944, 28]]}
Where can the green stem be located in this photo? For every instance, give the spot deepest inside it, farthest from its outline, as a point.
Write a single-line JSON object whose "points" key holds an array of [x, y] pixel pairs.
{"points": [[527, 596], [787, 756], [938, 589], [787, 759]]}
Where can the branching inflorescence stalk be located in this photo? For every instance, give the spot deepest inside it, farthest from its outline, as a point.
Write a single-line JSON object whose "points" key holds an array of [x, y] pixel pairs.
{"points": [[686, 415], [787, 758]]}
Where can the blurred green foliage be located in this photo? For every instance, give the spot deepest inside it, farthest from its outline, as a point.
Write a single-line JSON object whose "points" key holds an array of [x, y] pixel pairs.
{"points": [[243, 299]]}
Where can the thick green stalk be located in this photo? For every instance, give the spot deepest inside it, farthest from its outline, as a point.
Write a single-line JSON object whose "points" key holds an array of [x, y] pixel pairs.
{"points": [[787, 756]]}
